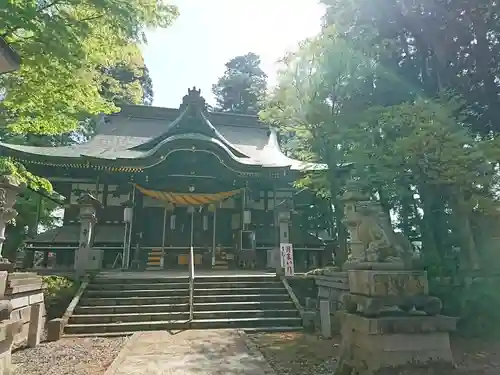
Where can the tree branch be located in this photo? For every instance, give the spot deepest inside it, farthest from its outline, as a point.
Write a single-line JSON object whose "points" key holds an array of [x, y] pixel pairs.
{"points": [[39, 10]]}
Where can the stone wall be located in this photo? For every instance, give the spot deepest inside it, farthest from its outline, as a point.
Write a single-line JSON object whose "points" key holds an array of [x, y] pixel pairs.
{"points": [[25, 292]]}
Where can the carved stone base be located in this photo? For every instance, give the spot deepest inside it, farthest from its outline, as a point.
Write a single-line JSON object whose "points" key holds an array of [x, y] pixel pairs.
{"points": [[386, 345], [372, 291], [362, 265], [381, 283], [6, 265], [374, 306]]}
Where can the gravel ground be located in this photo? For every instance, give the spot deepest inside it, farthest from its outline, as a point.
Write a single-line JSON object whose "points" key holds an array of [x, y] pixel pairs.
{"points": [[308, 354], [70, 356], [294, 353]]}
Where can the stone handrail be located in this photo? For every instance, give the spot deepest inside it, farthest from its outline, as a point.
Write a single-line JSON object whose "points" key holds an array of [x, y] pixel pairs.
{"points": [[55, 327], [293, 297]]}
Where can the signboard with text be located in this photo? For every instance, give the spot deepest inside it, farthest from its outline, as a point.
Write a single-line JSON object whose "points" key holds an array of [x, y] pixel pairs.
{"points": [[286, 252]]}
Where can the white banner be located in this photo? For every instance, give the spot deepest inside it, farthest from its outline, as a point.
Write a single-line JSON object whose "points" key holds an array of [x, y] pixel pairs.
{"points": [[286, 252]]}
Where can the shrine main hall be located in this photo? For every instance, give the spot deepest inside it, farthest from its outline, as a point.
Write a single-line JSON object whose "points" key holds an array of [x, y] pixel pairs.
{"points": [[158, 181]]}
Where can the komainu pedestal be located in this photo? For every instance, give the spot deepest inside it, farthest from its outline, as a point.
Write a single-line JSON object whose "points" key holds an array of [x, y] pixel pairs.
{"points": [[389, 345], [373, 291], [392, 324]]}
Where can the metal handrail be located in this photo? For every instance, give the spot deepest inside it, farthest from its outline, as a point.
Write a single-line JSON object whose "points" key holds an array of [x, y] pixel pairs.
{"points": [[191, 283]]}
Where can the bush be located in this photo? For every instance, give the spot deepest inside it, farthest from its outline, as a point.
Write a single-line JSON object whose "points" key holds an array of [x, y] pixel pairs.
{"points": [[58, 293], [476, 301]]}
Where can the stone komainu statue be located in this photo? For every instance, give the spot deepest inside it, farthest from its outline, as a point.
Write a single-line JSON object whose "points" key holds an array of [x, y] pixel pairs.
{"points": [[379, 240]]}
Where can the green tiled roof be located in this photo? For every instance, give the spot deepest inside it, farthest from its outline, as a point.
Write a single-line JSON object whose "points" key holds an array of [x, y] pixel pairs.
{"points": [[137, 132]]}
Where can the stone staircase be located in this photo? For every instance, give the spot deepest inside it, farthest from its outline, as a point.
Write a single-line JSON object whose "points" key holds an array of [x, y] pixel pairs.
{"points": [[122, 306]]}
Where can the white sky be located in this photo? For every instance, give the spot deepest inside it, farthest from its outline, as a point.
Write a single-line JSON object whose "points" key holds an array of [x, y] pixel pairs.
{"points": [[208, 33]]}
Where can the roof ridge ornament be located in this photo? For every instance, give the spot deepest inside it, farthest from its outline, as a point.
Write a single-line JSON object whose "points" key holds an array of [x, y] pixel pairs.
{"points": [[194, 102]]}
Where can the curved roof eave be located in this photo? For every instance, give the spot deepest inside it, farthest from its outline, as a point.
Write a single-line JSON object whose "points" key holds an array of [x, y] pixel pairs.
{"points": [[203, 138], [272, 152]]}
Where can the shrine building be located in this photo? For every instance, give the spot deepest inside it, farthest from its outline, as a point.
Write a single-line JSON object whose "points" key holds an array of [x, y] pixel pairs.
{"points": [[158, 181]]}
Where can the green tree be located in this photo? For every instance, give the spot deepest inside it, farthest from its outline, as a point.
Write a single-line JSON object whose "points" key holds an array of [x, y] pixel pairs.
{"points": [[127, 82], [64, 44], [242, 87], [345, 107], [80, 58], [432, 46]]}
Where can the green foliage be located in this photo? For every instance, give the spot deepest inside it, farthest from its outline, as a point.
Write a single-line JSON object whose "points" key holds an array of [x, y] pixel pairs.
{"points": [[58, 293], [17, 170], [242, 87], [80, 58], [127, 82], [65, 44], [431, 46], [403, 106], [474, 300], [480, 308]]}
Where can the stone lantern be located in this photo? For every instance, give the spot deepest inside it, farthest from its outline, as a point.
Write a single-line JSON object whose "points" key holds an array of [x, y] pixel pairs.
{"points": [[88, 218], [10, 186], [9, 59]]}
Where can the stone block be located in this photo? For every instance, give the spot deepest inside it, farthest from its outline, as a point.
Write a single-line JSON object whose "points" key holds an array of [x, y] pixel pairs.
{"points": [[55, 329], [378, 283], [25, 280], [36, 325], [15, 276], [399, 324], [21, 337], [3, 282], [19, 301], [36, 298], [371, 346], [22, 314], [34, 286], [6, 361], [325, 319], [309, 320]]}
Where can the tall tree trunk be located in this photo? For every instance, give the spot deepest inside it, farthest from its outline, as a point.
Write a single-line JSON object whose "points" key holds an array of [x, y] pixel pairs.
{"points": [[468, 243], [429, 244], [406, 213]]}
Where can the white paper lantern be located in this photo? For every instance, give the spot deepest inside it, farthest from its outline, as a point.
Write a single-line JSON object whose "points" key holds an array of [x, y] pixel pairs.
{"points": [[128, 213]]}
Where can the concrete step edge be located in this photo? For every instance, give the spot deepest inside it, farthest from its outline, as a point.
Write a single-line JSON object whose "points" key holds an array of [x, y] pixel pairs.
{"points": [[149, 322], [134, 306]]}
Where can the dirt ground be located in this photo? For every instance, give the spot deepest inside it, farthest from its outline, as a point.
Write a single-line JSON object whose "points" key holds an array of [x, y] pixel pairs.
{"points": [[308, 354]]}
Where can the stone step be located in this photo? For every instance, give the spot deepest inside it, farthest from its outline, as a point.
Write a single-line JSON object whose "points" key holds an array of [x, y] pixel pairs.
{"points": [[274, 329], [245, 322], [137, 293], [99, 301], [129, 317], [235, 314], [237, 284], [104, 334], [131, 309], [125, 327], [232, 278], [130, 333], [138, 286], [140, 280], [244, 305], [223, 291], [194, 324], [241, 298]]}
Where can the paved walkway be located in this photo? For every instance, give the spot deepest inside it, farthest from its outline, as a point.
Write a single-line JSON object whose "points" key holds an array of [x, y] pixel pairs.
{"points": [[191, 352]]}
